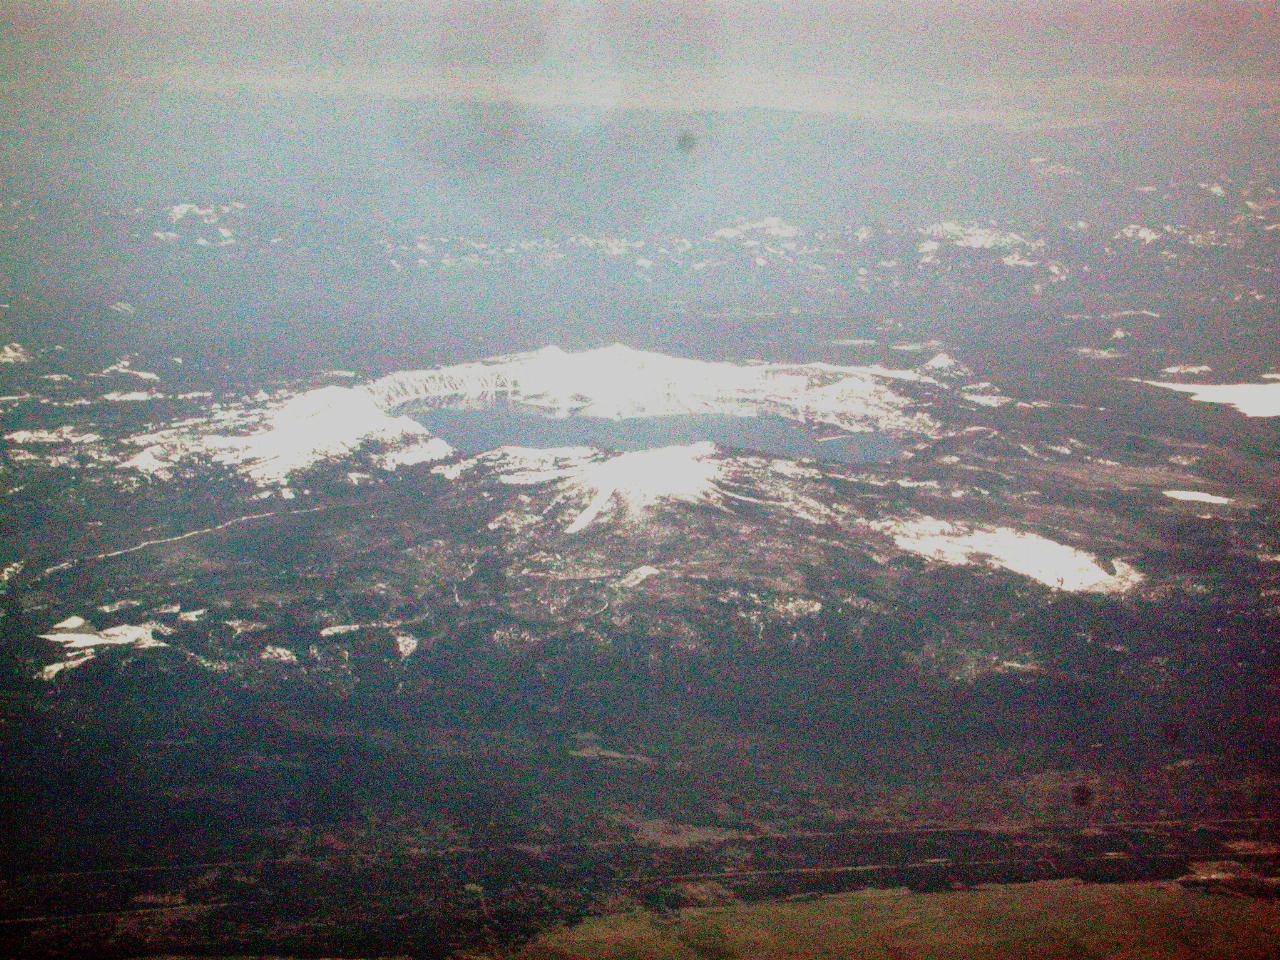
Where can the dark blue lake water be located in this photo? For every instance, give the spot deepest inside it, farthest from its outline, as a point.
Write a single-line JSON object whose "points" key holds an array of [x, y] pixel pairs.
{"points": [[475, 431]]}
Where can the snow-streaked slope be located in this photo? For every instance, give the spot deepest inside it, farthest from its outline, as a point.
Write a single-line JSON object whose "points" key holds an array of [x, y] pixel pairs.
{"points": [[299, 432], [588, 484], [313, 426], [636, 480], [582, 486]]}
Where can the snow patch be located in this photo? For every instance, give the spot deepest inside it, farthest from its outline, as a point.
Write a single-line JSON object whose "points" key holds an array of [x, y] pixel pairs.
{"points": [[339, 629], [132, 396], [976, 236], [126, 367], [943, 362], [406, 645], [1027, 554], [988, 399], [638, 576], [300, 432], [1136, 231], [66, 434], [115, 606], [80, 640], [1197, 496], [1251, 399]]}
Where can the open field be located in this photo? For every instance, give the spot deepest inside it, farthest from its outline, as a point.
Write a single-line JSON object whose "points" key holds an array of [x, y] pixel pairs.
{"points": [[1057, 919]]}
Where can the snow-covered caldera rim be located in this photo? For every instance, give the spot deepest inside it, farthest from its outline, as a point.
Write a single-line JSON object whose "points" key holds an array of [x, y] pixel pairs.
{"points": [[268, 439], [571, 489], [621, 382]]}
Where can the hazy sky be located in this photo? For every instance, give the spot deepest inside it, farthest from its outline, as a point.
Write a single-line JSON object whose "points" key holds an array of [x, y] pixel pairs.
{"points": [[1002, 61]]}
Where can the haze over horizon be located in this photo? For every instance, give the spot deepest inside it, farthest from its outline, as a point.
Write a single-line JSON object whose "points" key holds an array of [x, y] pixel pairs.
{"points": [[994, 62]]}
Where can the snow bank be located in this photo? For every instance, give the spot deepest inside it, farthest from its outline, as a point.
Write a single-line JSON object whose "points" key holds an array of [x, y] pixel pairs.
{"points": [[303, 430], [1251, 399], [1196, 496], [79, 640], [1030, 555]]}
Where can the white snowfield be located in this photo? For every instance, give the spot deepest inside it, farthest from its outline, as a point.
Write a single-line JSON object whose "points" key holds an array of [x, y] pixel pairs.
{"points": [[1251, 399], [1197, 496], [301, 431], [79, 639], [619, 382], [615, 382], [638, 576], [313, 426], [1028, 554]]}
